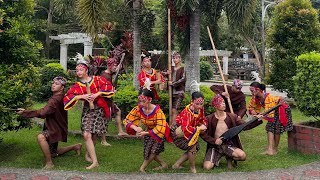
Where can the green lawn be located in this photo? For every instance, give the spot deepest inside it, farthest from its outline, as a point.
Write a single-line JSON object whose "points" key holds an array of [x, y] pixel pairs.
{"points": [[20, 149]]}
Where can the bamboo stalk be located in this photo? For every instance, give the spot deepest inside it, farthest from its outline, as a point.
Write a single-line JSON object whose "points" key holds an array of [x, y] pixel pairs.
{"points": [[220, 70], [169, 67]]}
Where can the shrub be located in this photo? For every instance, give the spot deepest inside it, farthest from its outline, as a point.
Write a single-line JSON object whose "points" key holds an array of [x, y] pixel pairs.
{"points": [[306, 83], [17, 85], [206, 71], [48, 72]]}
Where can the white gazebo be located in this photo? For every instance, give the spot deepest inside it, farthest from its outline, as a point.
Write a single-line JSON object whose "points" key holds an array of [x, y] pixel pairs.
{"points": [[72, 38]]}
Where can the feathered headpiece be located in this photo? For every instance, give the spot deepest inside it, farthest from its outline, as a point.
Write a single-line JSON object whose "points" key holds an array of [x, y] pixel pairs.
{"points": [[81, 60], [194, 86], [147, 84]]}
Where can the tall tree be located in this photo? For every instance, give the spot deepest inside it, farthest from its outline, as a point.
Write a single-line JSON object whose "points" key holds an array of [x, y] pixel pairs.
{"points": [[294, 31]]}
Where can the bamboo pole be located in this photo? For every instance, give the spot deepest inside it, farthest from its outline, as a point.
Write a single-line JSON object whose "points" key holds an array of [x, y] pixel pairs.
{"points": [[169, 67], [220, 70]]}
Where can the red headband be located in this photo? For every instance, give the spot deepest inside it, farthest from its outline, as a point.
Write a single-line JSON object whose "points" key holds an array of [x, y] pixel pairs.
{"points": [[83, 66], [142, 97], [217, 100], [198, 100]]}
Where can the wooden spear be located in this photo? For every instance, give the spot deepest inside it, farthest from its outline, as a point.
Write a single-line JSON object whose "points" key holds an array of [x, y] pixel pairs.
{"points": [[169, 68], [220, 70]]}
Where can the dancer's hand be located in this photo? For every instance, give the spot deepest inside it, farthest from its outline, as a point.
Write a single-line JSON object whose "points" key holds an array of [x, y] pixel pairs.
{"points": [[20, 110], [142, 133], [138, 129], [203, 127], [218, 141]]}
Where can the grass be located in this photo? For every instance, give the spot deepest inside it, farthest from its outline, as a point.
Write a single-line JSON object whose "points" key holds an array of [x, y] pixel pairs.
{"points": [[19, 149]]}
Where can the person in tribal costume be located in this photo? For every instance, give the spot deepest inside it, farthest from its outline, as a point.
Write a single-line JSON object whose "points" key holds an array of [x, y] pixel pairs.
{"points": [[237, 98], [156, 128], [112, 65], [150, 75], [185, 132], [279, 120], [95, 111], [178, 83], [55, 126], [218, 123]]}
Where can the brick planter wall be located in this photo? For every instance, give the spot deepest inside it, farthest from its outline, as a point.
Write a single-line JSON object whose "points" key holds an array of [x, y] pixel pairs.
{"points": [[304, 139]]}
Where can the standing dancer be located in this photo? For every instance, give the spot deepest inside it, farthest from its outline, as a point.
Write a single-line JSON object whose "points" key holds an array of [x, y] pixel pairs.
{"points": [[157, 129], [95, 113], [178, 83], [189, 123], [149, 75], [55, 127], [279, 121]]}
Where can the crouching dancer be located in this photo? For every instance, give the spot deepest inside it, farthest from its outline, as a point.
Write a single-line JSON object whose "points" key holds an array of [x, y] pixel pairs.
{"points": [[55, 127], [218, 123], [157, 129]]}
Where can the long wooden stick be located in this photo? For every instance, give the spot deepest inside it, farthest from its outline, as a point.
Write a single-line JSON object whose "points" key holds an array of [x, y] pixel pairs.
{"points": [[169, 67], [220, 70]]}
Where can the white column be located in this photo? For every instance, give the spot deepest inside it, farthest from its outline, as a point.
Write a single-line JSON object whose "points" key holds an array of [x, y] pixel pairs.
{"points": [[225, 64], [64, 55], [87, 48]]}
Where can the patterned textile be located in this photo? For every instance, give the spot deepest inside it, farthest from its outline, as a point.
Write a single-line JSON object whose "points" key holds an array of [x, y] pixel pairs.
{"points": [[97, 84], [181, 142], [255, 105], [217, 100], [189, 122], [177, 100], [155, 123], [93, 121], [151, 146], [142, 76], [214, 154], [276, 126]]}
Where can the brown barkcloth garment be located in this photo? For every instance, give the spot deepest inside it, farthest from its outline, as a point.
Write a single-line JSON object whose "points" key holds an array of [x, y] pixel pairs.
{"points": [[179, 81], [208, 136], [56, 118], [114, 108], [238, 100]]}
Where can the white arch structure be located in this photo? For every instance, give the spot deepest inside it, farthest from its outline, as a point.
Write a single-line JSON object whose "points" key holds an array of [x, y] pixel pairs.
{"points": [[72, 38]]}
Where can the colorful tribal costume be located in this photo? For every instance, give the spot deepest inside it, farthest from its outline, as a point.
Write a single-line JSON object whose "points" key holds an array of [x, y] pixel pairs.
{"points": [[152, 76], [189, 122], [93, 121], [279, 120], [156, 125]]}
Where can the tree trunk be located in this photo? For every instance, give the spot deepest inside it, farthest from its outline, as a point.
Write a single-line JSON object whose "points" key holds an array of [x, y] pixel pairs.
{"points": [[136, 43], [48, 32], [255, 52], [193, 61]]}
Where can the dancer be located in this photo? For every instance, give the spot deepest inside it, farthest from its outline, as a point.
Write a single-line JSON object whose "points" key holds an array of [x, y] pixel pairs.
{"points": [[55, 127], [279, 121], [218, 123], [156, 128], [92, 90], [189, 123]]}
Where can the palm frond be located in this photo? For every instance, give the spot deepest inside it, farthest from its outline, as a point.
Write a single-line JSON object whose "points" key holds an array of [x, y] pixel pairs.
{"points": [[91, 16]]}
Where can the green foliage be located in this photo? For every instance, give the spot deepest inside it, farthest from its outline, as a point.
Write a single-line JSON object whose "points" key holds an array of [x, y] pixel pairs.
{"points": [[48, 72], [295, 30], [17, 85], [306, 84], [206, 71]]}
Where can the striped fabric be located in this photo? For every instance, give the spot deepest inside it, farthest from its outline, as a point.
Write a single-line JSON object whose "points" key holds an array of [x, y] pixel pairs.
{"points": [[155, 122]]}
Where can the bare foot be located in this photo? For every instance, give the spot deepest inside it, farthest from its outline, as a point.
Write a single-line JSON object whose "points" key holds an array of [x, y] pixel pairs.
{"points": [[122, 134], [88, 158], [78, 148], [176, 166], [48, 166], [269, 152], [105, 144], [163, 166], [193, 170], [93, 165], [142, 170]]}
